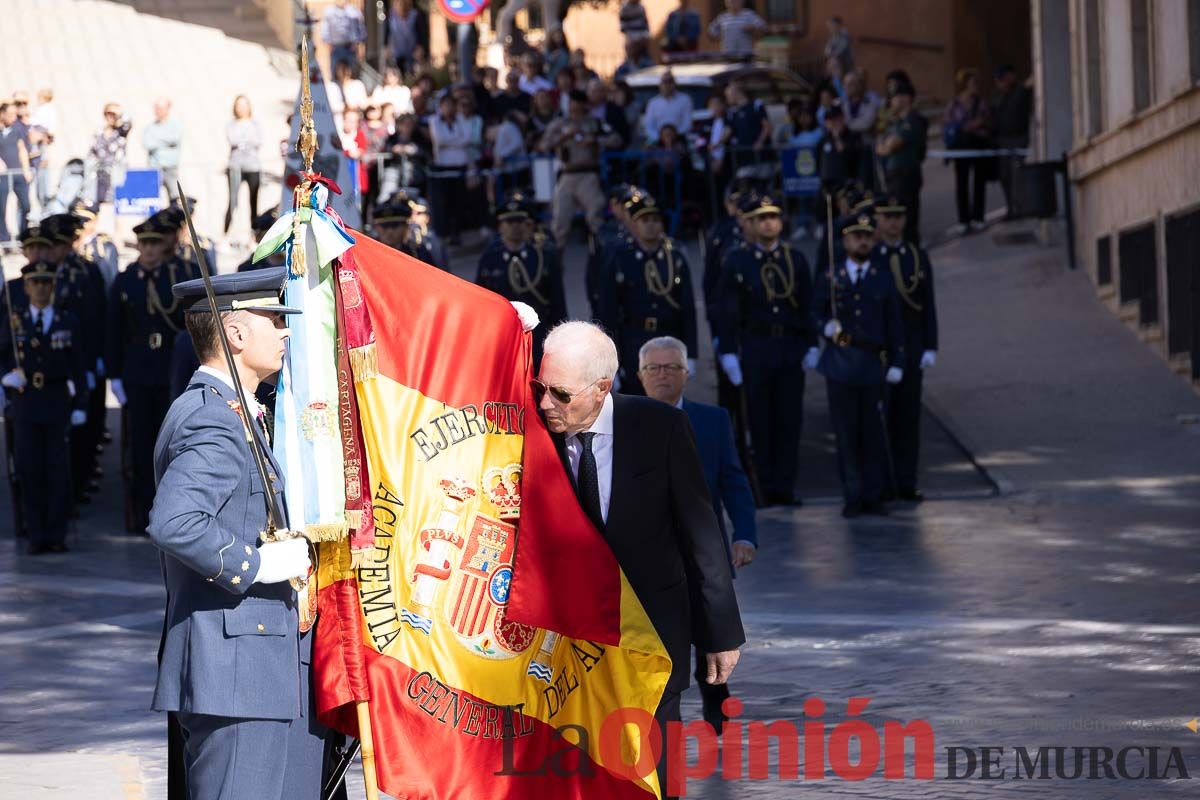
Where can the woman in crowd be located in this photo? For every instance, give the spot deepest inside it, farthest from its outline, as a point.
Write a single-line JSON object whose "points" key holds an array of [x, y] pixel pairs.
{"points": [[375, 133], [967, 125], [410, 151], [108, 150], [393, 91], [354, 93], [451, 156], [543, 113], [245, 139], [558, 57], [563, 84]]}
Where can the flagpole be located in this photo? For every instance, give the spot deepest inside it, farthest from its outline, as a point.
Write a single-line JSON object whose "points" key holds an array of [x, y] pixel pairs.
{"points": [[370, 782]]}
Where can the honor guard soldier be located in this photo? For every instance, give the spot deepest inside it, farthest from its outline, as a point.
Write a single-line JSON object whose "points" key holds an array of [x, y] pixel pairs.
{"points": [[392, 226], [859, 316], [43, 367], [80, 290], [650, 292], [765, 335], [851, 200], [902, 148], [260, 225], [520, 266], [94, 245], [234, 668], [424, 235], [185, 248], [35, 246], [143, 320], [615, 232], [909, 267]]}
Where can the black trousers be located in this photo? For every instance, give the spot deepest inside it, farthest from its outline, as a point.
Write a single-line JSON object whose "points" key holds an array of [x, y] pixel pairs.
{"points": [[666, 713], [970, 197], [43, 466], [147, 407], [907, 186], [251, 179], [775, 406], [730, 398], [904, 426], [447, 195], [855, 412]]}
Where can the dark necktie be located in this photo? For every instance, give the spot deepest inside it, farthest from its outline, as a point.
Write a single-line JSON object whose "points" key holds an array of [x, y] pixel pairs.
{"points": [[589, 481]]}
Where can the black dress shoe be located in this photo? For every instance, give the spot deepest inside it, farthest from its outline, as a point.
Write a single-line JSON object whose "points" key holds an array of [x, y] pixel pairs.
{"points": [[38, 549], [912, 495], [851, 510], [874, 509], [59, 547]]}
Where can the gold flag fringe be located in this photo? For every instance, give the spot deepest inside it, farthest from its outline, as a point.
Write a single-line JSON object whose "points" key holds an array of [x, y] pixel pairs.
{"points": [[360, 558], [364, 362], [327, 532], [354, 519]]}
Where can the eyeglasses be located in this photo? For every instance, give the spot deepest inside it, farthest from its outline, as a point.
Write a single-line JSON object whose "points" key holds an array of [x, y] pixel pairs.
{"points": [[654, 369], [557, 392]]}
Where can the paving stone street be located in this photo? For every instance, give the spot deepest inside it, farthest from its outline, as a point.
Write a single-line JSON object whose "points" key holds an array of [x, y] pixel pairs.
{"points": [[1043, 596]]}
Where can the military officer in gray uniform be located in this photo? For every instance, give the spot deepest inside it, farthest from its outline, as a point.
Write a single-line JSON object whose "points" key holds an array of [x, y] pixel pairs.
{"points": [[234, 667]]}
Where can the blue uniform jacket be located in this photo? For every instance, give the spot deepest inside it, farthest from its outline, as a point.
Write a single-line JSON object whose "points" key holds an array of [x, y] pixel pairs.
{"points": [[633, 313], [869, 312], [49, 359], [540, 285], [727, 482], [141, 330], [230, 645], [768, 305], [910, 268]]}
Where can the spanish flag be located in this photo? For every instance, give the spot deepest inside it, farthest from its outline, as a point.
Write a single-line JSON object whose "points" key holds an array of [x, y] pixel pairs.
{"points": [[502, 650]]}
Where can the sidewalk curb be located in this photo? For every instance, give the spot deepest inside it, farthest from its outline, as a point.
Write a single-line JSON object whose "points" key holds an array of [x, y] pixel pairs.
{"points": [[1001, 483]]}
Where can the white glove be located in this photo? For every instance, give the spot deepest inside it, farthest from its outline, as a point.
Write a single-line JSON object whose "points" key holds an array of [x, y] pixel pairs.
{"points": [[70, 388], [732, 367], [928, 359], [100, 367], [832, 329], [529, 317], [91, 381], [118, 390], [894, 375], [14, 380], [282, 561], [78, 417], [811, 358], [691, 367]]}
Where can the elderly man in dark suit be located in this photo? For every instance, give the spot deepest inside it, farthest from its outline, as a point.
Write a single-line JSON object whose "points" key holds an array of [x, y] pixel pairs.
{"points": [[662, 368], [635, 468], [233, 666]]}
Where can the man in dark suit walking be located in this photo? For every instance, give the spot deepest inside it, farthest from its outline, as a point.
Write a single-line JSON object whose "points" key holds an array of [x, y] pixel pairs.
{"points": [[662, 368], [634, 466]]}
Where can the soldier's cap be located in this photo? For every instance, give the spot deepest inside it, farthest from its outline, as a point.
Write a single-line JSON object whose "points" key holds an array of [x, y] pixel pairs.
{"points": [[171, 218], [256, 290], [34, 235], [397, 209], [515, 206], [861, 201], [857, 223], [419, 203], [264, 221], [758, 205], [891, 204], [39, 269], [149, 231], [620, 193], [642, 205], [84, 210], [62, 228]]}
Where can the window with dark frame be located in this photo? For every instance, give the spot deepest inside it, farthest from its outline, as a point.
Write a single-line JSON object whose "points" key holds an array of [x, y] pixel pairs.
{"points": [[1137, 258], [1182, 235], [780, 11], [1095, 106], [1139, 11], [1104, 261], [1193, 12]]}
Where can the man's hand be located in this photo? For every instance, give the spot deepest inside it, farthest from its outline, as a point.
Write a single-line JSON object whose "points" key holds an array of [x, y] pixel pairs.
{"points": [[283, 560], [743, 554], [14, 380], [720, 666], [118, 390]]}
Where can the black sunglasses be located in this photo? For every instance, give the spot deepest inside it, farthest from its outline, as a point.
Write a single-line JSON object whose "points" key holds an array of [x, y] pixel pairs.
{"points": [[557, 392]]}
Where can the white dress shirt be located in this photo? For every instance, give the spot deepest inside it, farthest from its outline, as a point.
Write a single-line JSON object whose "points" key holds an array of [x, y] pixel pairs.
{"points": [[44, 317], [854, 270], [602, 449]]}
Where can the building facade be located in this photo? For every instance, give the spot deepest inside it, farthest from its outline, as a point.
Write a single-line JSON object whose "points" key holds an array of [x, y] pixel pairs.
{"points": [[1118, 87]]}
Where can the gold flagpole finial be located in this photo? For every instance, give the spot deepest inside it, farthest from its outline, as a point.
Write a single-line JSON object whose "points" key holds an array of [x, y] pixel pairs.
{"points": [[306, 141]]}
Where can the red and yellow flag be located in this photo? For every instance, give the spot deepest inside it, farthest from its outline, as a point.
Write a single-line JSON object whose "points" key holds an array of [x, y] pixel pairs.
{"points": [[491, 626]]}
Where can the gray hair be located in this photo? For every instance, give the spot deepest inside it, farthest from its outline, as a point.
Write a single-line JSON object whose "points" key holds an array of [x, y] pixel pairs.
{"points": [[663, 343], [586, 345]]}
